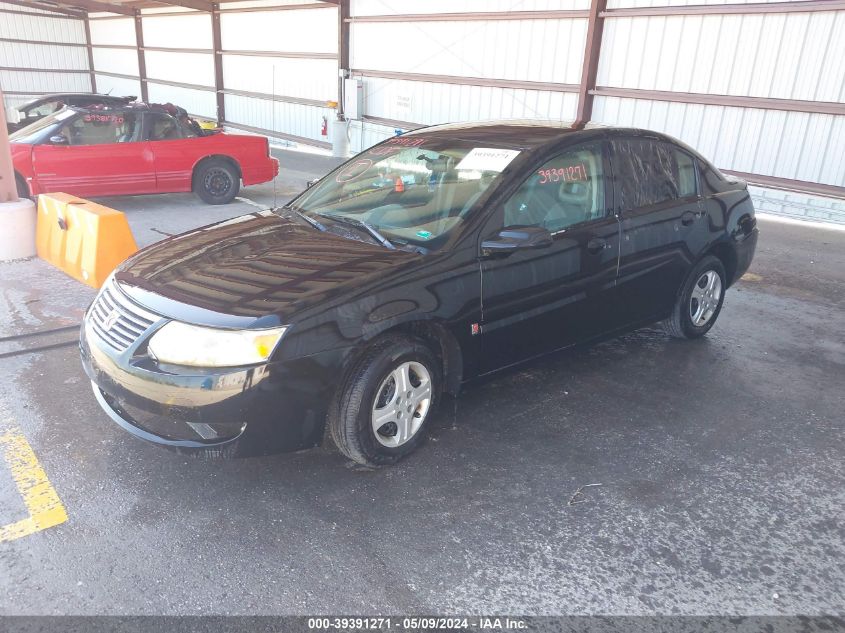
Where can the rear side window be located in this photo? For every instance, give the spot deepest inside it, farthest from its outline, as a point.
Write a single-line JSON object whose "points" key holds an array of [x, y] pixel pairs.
{"points": [[44, 109], [650, 172], [162, 127]]}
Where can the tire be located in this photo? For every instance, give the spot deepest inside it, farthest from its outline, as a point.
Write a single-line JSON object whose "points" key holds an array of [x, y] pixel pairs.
{"points": [[22, 189], [216, 181], [367, 392], [699, 300]]}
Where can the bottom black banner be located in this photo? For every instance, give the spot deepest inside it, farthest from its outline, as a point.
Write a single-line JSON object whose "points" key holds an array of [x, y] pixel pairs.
{"points": [[474, 623]]}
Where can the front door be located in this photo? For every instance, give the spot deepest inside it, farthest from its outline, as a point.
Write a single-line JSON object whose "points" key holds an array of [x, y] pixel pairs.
{"points": [[100, 155], [535, 301]]}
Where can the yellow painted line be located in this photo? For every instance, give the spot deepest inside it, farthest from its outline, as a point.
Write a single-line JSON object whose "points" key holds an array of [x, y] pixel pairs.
{"points": [[45, 507]]}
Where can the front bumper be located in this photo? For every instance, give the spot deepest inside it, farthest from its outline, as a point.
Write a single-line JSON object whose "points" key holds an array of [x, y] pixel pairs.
{"points": [[258, 410]]}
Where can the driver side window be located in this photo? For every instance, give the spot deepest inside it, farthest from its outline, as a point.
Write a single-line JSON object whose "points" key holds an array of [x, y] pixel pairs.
{"points": [[567, 190], [44, 109]]}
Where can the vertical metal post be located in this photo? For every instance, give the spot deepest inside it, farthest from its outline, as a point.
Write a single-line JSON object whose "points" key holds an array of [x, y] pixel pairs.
{"points": [[142, 63], [592, 51], [91, 75], [342, 49], [217, 46], [8, 187]]}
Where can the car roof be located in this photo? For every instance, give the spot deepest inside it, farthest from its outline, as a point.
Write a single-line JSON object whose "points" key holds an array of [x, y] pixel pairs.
{"points": [[530, 134], [512, 133], [136, 106]]}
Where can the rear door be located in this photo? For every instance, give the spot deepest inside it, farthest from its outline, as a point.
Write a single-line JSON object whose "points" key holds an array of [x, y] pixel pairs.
{"points": [[536, 301], [660, 210], [100, 155]]}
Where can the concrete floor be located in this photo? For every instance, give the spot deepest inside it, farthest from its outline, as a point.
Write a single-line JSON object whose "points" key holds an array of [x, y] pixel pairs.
{"points": [[720, 464]]}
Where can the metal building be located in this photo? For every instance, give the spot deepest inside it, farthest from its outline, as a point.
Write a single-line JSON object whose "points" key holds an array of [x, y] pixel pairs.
{"points": [[758, 86]]}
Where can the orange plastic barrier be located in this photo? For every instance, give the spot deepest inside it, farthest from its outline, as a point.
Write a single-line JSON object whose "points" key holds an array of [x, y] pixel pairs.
{"points": [[84, 239]]}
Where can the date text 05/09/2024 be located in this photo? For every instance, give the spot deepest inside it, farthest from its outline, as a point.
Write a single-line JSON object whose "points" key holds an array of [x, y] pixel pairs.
{"points": [[416, 623]]}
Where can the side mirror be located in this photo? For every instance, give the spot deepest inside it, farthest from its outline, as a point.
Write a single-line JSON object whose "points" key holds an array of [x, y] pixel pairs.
{"points": [[311, 183], [58, 140], [514, 238]]}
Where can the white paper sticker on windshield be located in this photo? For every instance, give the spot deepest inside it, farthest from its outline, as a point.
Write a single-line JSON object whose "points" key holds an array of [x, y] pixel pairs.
{"points": [[64, 114], [488, 159]]}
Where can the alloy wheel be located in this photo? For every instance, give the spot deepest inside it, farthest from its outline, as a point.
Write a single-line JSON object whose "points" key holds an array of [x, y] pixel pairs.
{"points": [[706, 295], [401, 404]]}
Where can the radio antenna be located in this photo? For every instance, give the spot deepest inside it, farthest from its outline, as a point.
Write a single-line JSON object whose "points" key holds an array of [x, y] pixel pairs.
{"points": [[273, 125]]}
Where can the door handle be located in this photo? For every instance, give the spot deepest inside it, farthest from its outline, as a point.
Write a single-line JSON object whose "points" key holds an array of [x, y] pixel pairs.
{"points": [[596, 245], [688, 218]]}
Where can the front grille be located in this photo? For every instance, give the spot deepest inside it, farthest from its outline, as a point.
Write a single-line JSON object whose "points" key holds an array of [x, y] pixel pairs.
{"points": [[117, 320]]}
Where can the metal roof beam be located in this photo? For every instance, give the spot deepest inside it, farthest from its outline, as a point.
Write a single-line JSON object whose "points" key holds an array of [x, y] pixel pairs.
{"points": [[91, 5], [45, 7], [199, 5]]}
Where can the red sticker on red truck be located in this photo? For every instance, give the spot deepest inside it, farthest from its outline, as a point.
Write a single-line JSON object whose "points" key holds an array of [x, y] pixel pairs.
{"points": [[115, 119]]}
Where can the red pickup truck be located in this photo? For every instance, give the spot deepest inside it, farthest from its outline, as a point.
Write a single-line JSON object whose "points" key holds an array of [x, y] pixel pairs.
{"points": [[136, 149]]}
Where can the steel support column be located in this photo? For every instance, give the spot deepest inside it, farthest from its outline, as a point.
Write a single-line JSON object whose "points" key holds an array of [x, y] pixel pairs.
{"points": [[217, 48], [342, 50], [142, 62], [592, 51], [87, 23]]}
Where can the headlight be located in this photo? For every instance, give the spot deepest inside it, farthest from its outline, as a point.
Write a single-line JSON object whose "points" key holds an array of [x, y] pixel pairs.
{"points": [[183, 344]]}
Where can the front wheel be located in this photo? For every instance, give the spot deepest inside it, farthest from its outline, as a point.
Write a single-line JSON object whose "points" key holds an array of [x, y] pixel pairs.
{"points": [[379, 415], [216, 182], [22, 188], [699, 301]]}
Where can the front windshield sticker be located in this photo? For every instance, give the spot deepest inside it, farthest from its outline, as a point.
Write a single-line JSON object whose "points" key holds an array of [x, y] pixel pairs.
{"points": [[61, 116], [354, 170], [487, 159]]}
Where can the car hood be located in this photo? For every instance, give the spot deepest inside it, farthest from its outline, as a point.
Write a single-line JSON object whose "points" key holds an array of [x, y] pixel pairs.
{"points": [[257, 270]]}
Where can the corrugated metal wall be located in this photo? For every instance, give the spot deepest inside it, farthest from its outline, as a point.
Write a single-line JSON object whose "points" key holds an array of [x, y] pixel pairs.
{"points": [[59, 65], [194, 65], [188, 60], [114, 54], [280, 66], [279, 62], [784, 56], [498, 55], [441, 60], [795, 56]]}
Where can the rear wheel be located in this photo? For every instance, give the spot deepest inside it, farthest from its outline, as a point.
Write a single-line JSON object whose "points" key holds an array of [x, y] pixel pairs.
{"points": [[700, 300], [379, 415], [216, 181]]}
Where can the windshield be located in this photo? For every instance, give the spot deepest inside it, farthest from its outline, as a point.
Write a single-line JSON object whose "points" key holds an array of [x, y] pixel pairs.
{"points": [[33, 131], [412, 190]]}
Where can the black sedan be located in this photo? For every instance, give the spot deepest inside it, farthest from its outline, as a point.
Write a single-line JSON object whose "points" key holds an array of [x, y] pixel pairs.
{"points": [[427, 261], [36, 109]]}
